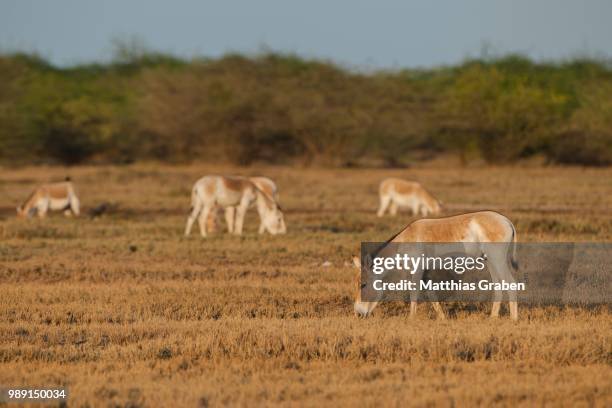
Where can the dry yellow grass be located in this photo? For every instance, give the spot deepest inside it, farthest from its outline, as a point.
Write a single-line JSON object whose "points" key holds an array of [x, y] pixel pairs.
{"points": [[125, 311]]}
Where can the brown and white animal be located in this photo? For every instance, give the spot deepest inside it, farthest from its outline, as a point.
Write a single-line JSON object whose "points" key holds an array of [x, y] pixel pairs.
{"points": [[477, 227], [266, 185], [235, 194], [52, 196], [395, 192]]}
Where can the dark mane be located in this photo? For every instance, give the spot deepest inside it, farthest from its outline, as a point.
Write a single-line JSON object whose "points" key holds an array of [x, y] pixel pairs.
{"points": [[22, 206], [266, 196], [384, 244]]}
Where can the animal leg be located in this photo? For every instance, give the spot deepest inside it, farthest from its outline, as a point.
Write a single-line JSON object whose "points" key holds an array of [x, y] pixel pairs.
{"points": [[495, 309], [414, 294], [195, 211], [413, 308], [393, 208], [212, 220], [513, 310], [495, 262], [437, 306], [497, 296], [506, 275], [439, 310], [384, 203], [75, 206], [240, 212], [203, 218], [43, 208], [230, 214]]}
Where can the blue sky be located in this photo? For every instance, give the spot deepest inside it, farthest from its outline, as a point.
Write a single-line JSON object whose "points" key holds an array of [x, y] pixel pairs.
{"points": [[357, 33]]}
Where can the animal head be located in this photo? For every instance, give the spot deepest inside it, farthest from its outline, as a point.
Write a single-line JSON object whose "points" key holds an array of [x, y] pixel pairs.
{"points": [[270, 213], [21, 213], [25, 211], [436, 207], [430, 205], [361, 308], [274, 220]]}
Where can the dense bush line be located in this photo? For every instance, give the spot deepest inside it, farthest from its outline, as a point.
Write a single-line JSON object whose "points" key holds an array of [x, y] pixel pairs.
{"points": [[284, 109]]}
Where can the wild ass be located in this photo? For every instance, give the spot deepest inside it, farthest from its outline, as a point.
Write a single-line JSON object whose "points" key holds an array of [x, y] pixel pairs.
{"points": [[395, 192], [477, 227], [266, 185], [52, 196], [235, 194]]}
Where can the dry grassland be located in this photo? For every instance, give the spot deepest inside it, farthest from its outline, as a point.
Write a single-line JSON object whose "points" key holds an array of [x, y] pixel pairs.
{"points": [[125, 311]]}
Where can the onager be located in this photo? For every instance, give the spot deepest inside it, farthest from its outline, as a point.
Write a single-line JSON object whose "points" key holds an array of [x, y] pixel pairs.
{"points": [[264, 184], [235, 194], [477, 227], [52, 196], [396, 193]]}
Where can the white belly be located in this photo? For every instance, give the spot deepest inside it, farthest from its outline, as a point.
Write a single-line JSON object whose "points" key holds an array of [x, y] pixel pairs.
{"points": [[58, 203], [406, 200], [227, 198]]}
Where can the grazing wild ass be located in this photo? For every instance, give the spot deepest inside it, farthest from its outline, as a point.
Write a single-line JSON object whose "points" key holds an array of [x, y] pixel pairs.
{"points": [[51, 196], [476, 227], [396, 193], [235, 194], [264, 184]]}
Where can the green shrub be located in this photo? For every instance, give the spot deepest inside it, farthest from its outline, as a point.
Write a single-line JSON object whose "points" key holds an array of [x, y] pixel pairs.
{"points": [[279, 108]]}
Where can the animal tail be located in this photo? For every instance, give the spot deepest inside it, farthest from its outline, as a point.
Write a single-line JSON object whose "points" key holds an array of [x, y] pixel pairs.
{"points": [[513, 259], [194, 196]]}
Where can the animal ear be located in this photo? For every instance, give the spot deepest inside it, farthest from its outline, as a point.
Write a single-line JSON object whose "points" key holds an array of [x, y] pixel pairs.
{"points": [[368, 262]]}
